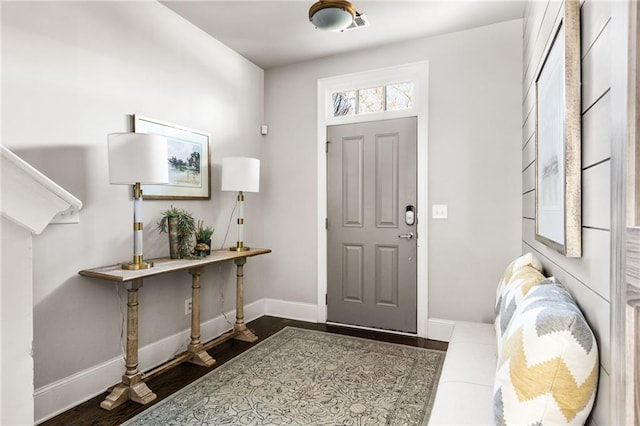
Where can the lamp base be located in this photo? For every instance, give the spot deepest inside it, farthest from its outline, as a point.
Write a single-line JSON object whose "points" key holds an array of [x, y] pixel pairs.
{"points": [[239, 247], [136, 266]]}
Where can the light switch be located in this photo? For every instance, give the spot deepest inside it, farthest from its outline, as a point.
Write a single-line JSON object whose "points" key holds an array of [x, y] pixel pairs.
{"points": [[439, 211]]}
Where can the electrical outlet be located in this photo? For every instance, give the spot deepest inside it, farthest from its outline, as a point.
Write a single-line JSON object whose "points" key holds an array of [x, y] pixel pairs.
{"points": [[188, 306]]}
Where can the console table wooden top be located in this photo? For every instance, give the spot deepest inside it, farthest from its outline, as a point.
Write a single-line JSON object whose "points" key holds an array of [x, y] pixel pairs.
{"points": [[165, 265]]}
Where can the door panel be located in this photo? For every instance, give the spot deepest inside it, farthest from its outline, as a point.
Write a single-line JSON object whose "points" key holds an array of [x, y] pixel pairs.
{"points": [[371, 179], [386, 173], [352, 181], [387, 275], [352, 279]]}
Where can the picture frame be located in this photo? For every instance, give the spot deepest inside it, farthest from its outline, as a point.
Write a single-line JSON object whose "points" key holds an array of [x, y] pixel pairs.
{"points": [[188, 160], [558, 199]]}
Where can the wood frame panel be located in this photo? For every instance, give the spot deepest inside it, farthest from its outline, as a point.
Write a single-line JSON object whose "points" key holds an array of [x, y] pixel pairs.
{"points": [[560, 230]]}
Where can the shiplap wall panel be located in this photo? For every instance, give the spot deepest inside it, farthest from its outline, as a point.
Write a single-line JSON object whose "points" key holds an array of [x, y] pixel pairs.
{"points": [[552, 15], [601, 414], [528, 102], [528, 108], [595, 16], [596, 193], [592, 268], [588, 277], [596, 70], [596, 132], [529, 153], [528, 205], [529, 127], [533, 19], [529, 178], [539, 12]]}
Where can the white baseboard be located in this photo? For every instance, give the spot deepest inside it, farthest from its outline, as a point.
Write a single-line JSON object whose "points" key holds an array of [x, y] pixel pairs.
{"points": [[291, 310], [57, 397], [440, 329]]}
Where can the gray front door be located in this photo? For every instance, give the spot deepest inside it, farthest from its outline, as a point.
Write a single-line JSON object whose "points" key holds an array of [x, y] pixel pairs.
{"points": [[371, 242]]}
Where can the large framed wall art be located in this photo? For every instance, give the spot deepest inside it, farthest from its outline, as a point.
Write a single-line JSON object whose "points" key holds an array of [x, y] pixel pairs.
{"points": [[188, 161], [558, 139]]}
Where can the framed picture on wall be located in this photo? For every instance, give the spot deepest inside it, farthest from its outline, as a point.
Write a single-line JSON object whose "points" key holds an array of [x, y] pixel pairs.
{"points": [[558, 139], [188, 161]]}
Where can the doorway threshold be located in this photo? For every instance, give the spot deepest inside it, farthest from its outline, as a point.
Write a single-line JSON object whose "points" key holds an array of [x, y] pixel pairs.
{"points": [[381, 330]]}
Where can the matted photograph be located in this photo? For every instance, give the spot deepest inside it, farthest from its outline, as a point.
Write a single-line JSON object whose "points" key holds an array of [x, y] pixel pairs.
{"points": [[188, 161]]}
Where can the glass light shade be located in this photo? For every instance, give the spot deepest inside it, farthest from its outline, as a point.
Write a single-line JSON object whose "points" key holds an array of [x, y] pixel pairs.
{"points": [[240, 174], [332, 19], [137, 157]]}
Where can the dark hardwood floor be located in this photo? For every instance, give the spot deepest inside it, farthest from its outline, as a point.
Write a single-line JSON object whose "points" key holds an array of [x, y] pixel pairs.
{"points": [[90, 413]]}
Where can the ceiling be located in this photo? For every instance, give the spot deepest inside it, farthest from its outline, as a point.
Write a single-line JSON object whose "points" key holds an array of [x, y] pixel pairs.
{"points": [[274, 33]]}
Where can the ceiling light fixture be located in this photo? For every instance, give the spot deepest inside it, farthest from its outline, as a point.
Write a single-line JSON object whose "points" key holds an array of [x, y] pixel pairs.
{"points": [[332, 15]]}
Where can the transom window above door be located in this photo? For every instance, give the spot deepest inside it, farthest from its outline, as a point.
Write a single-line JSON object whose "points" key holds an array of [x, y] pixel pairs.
{"points": [[390, 97]]}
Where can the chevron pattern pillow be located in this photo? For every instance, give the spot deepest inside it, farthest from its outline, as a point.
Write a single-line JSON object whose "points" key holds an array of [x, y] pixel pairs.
{"points": [[548, 368], [506, 292], [514, 291], [527, 259]]}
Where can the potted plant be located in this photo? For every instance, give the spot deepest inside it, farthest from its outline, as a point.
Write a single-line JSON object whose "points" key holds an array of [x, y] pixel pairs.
{"points": [[180, 226], [203, 235]]}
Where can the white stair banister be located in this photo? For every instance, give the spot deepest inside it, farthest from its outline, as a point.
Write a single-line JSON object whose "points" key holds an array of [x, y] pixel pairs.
{"points": [[30, 199]]}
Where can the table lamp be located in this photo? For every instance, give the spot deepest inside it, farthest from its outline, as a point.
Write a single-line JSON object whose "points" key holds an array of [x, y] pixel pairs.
{"points": [[137, 159], [240, 174]]}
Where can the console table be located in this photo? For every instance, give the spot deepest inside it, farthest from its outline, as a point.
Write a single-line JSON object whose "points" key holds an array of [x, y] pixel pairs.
{"points": [[133, 386]]}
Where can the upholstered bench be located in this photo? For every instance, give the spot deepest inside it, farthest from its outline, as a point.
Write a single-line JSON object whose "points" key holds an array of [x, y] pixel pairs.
{"points": [[536, 364], [465, 389]]}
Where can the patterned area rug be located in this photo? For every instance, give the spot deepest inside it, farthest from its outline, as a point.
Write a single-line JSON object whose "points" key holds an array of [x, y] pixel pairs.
{"points": [[305, 377]]}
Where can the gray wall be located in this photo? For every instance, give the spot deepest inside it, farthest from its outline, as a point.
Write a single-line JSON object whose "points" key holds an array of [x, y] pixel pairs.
{"points": [[71, 74], [473, 160], [587, 277]]}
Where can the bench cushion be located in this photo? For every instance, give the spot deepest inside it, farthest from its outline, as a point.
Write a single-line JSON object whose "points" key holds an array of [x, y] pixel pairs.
{"points": [[462, 404], [467, 377]]}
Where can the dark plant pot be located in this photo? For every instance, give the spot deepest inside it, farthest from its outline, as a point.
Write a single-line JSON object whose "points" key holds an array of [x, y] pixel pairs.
{"points": [[208, 252], [174, 242]]}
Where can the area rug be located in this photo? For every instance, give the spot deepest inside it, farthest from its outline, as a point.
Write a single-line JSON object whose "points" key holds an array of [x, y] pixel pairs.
{"points": [[306, 377]]}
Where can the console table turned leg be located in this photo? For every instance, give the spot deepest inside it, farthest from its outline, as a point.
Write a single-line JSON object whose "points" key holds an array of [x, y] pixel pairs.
{"points": [[240, 328], [200, 355], [132, 387]]}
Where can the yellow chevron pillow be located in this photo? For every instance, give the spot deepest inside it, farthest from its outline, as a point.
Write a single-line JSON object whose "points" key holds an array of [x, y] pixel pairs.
{"points": [[511, 285], [514, 291], [548, 367], [527, 259]]}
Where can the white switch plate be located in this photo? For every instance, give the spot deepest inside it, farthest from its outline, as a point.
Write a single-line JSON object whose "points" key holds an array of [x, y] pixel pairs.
{"points": [[439, 211]]}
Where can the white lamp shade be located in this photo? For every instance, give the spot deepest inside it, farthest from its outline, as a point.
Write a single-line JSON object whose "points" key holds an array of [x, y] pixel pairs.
{"points": [[137, 157], [332, 19], [241, 174]]}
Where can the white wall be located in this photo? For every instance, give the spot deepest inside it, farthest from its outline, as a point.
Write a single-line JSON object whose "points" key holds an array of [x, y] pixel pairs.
{"points": [[72, 72], [588, 277], [474, 165]]}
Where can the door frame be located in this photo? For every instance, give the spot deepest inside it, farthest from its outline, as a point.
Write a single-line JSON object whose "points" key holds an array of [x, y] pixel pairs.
{"points": [[417, 72]]}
